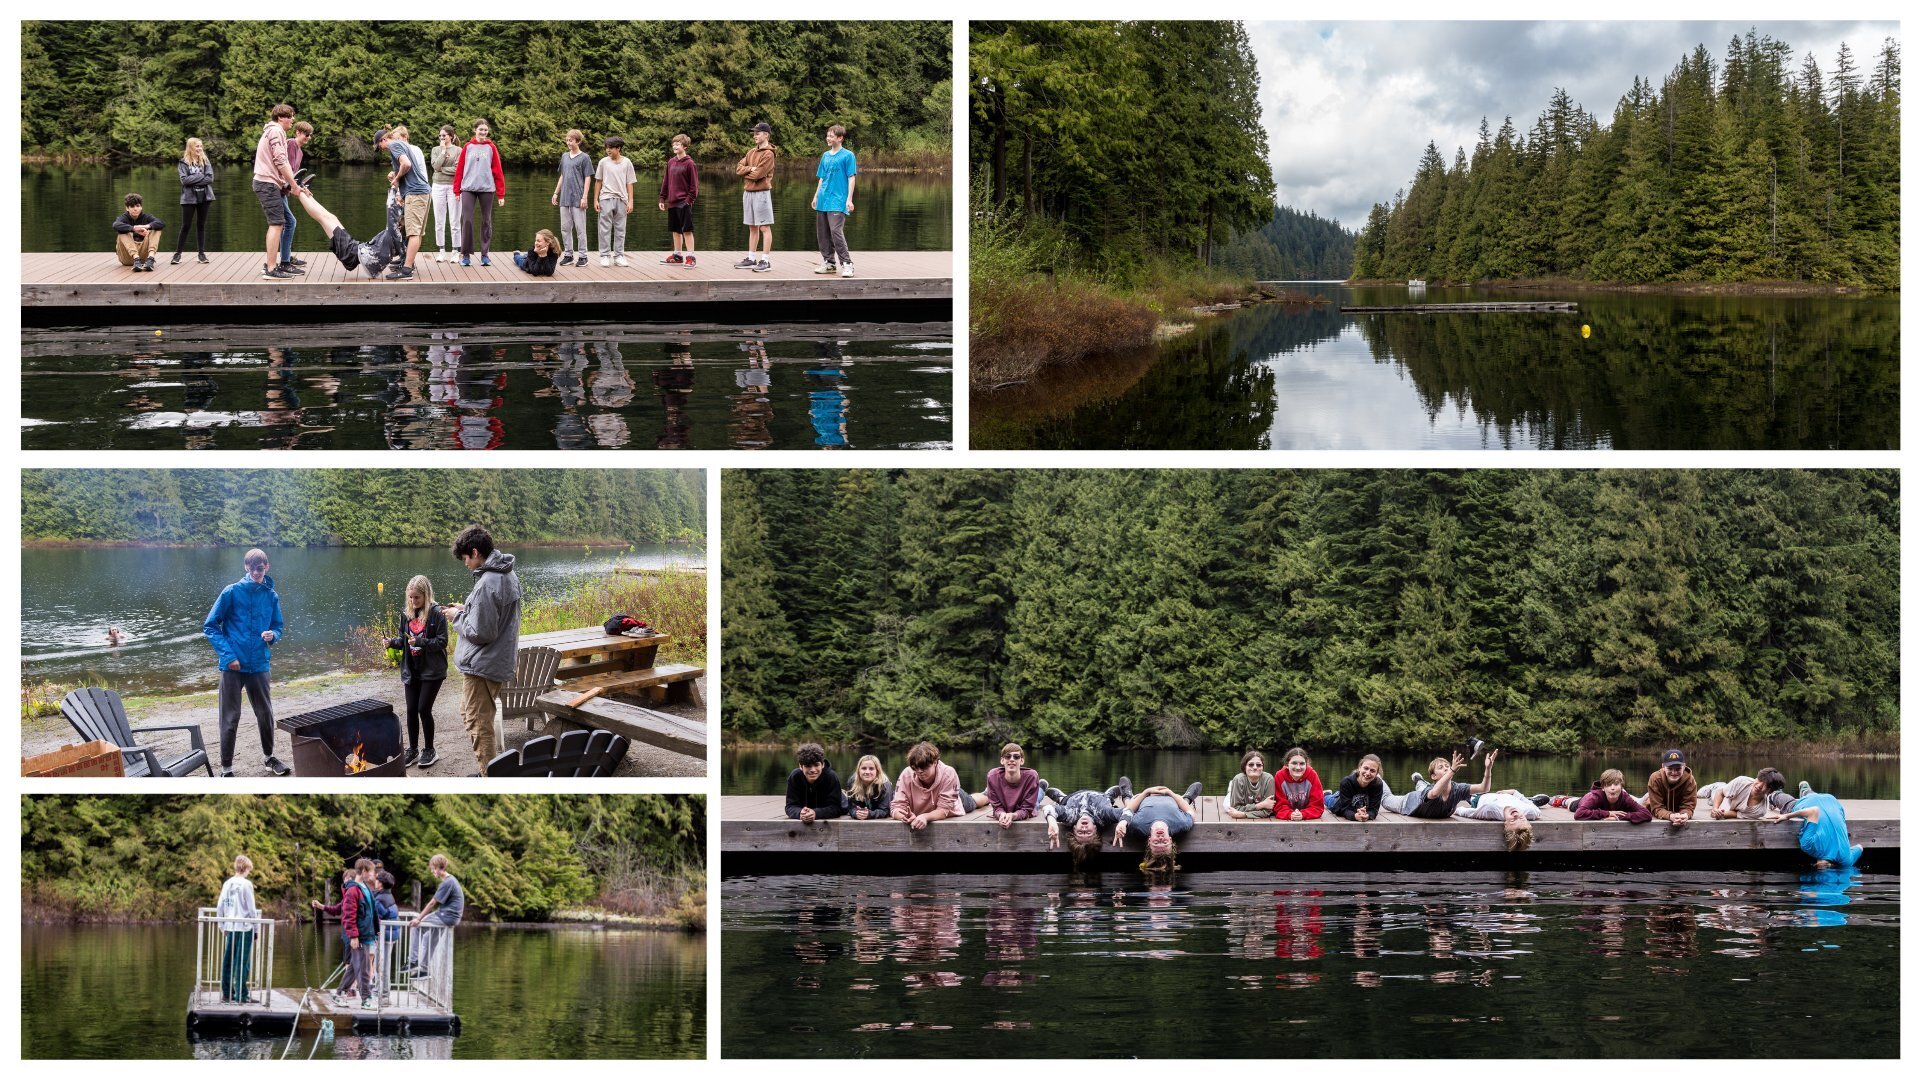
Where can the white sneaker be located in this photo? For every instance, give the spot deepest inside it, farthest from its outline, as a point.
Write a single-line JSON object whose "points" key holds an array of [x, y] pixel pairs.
{"points": [[604, 261], [825, 268], [846, 269], [440, 256], [621, 261]]}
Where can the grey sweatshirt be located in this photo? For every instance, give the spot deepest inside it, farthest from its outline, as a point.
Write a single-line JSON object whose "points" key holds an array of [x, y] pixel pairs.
{"points": [[489, 628]]}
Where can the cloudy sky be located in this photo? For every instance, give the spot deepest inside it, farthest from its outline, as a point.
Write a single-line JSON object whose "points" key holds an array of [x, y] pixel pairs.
{"points": [[1350, 106]]}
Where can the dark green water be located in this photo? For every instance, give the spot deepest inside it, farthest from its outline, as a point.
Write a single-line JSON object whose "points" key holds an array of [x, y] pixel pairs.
{"points": [[72, 207], [1468, 965], [160, 598], [1657, 373], [121, 992], [568, 386], [764, 772]]}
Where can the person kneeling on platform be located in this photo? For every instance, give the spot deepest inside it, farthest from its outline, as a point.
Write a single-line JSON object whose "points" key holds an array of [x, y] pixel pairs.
{"points": [[138, 236], [543, 258], [389, 245]]}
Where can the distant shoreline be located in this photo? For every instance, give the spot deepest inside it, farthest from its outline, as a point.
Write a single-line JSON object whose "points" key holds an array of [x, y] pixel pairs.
{"points": [[596, 542], [1668, 288]]}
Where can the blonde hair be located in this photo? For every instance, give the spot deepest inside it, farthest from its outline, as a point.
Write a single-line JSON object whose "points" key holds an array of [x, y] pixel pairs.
{"points": [[195, 154], [440, 860], [399, 131], [860, 789], [553, 242], [576, 135], [421, 585], [1159, 868], [1519, 835], [242, 864]]}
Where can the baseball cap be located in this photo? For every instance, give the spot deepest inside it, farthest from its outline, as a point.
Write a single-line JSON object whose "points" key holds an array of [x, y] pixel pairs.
{"points": [[381, 134], [763, 126], [1672, 757]]}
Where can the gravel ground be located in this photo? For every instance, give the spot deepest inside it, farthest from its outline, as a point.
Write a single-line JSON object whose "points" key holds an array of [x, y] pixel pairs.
{"points": [[47, 733]]}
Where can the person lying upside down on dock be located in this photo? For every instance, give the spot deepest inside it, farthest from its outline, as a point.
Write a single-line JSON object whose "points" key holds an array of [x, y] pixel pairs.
{"points": [[389, 245]]}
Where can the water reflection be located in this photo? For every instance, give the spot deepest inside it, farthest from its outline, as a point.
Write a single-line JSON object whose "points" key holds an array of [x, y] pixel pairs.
{"points": [[518, 388]]}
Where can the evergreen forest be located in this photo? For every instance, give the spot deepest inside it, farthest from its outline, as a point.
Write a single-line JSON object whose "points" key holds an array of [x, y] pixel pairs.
{"points": [[360, 507], [1548, 610], [519, 857], [1294, 246], [1757, 168], [137, 90]]}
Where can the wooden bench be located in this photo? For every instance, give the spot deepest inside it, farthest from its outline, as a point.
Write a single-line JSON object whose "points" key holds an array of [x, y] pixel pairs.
{"points": [[576, 753], [674, 682], [669, 732]]}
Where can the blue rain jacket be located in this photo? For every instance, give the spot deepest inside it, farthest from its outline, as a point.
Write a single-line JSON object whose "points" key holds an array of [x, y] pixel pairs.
{"points": [[1827, 838], [233, 626]]}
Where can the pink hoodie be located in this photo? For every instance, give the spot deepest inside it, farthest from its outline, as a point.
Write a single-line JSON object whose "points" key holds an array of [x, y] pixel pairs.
{"points": [[911, 797]]}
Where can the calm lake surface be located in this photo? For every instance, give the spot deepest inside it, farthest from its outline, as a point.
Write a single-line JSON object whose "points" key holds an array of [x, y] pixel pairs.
{"points": [[72, 207], [764, 772], [160, 597], [570, 386], [1657, 373], [1326, 965], [121, 992]]}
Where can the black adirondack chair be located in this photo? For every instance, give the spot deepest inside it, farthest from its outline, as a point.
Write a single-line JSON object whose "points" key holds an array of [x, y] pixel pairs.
{"points": [[96, 713], [575, 753]]}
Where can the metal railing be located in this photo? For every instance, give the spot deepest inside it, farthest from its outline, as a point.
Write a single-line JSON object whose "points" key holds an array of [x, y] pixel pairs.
{"points": [[402, 984], [218, 941]]}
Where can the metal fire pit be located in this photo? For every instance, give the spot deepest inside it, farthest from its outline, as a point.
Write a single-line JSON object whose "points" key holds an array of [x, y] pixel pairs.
{"points": [[323, 739]]}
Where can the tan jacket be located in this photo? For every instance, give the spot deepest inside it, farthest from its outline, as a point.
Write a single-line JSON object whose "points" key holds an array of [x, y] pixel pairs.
{"points": [[757, 167], [1664, 796]]}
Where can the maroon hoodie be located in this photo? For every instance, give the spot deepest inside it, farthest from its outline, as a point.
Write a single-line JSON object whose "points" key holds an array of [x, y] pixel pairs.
{"points": [[1595, 807]]}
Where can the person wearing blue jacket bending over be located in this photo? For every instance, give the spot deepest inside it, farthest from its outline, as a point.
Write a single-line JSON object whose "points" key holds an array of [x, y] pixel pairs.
{"points": [[243, 626], [1823, 834]]}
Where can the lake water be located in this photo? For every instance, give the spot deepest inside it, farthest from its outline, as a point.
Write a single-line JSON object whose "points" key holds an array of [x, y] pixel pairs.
{"points": [[121, 992], [764, 772], [160, 597], [1315, 966], [1657, 372], [72, 207], [571, 385]]}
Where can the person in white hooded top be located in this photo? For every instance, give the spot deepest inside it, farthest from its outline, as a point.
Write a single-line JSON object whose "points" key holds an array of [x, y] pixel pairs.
{"points": [[234, 908]]}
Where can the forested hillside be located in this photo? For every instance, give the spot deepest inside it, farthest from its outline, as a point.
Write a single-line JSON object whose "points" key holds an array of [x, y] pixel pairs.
{"points": [[1293, 246], [138, 89], [1755, 169], [360, 507], [1548, 610]]}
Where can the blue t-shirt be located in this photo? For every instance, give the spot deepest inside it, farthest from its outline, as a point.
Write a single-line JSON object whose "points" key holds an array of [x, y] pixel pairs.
{"points": [[1159, 808], [837, 168], [414, 181]]}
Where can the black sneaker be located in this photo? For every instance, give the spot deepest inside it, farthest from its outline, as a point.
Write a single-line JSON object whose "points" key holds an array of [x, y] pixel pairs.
{"points": [[295, 260], [747, 263], [1542, 800], [1193, 791], [303, 178], [1057, 795], [413, 755], [276, 766], [175, 261], [427, 758], [400, 273], [1121, 790], [291, 270], [274, 272], [203, 257]]}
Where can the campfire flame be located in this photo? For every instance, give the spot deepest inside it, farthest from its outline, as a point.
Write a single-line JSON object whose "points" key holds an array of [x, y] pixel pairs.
{"points": [[355, 762]]}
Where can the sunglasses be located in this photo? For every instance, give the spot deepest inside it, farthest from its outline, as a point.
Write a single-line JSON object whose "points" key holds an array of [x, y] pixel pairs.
{"points": [[1012, 757]]}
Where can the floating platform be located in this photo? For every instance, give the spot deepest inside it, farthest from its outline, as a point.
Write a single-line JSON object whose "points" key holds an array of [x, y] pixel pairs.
{"points": [[1556, 307], [279, 1010], [756, 834], [64, 288]]}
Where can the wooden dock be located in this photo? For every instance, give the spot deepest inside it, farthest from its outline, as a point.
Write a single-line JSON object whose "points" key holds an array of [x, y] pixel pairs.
{"points": [[1556, 307], [278, 1010], [96, 280], [755, 830]]}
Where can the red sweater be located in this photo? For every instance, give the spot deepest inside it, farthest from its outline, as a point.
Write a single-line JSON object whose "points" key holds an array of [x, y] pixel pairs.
{"points": [[1316, 803]]}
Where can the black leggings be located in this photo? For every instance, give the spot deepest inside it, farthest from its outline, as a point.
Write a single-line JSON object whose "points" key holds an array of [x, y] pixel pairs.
{"points": [[196, 219], [420, 695]]}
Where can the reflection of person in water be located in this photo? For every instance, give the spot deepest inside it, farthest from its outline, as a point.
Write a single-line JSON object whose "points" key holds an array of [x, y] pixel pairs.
{"points": [[479, 399], [675, 386], [827, 400], [752, 425]]}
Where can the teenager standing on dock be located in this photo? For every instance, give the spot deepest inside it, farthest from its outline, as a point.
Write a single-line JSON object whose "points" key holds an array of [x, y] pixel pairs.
{"points": [[813, 790], [441, 914], [1672, 792], [272, 180], [137, 234], [679, 186], [570, 195], [422, 642], [409, 181], [445, 162], [481, 184], [243, 625], [236, 943], [196, 199], [296, 159], [489, 628], [756, 168], [615, 178], [833, 201]]}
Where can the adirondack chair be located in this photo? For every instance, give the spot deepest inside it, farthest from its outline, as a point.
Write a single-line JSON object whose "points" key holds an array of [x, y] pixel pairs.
{"points": [[97, 713], [532, 676], [575, 753]]}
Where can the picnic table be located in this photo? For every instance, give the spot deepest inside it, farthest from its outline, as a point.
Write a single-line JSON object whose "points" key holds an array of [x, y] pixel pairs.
{"points": [[592, 659]]}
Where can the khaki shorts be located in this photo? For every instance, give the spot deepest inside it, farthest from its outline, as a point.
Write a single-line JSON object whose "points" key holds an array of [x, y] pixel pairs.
{"points": [[417, 206]]}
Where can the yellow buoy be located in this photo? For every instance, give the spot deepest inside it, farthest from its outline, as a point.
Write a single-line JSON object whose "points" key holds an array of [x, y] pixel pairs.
{"points": [[157, 333], [379, 586], [1585, 330]]}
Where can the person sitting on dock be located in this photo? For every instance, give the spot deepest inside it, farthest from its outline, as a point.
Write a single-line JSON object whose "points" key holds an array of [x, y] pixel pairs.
{"points": [[813, 789], [1361, 792], [871, 794], [441, 914], [928, 789], [1012, 793], [137, 234], [1823, 834], [1163, 815], [389, 245], [1609, 801], [1672, 792], [544, 256], [1749, 797], [1250, 792], [1298, 795], [1435, 795], [236, 945], [1090, 811]]}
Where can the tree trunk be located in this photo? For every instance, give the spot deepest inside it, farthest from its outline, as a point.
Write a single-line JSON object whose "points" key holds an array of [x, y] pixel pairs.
{"points": [[999, 153], [1026, 172]]}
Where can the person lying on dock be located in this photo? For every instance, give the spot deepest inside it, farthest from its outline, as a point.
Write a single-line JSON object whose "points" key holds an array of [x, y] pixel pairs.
{"points": [[1750, 797], [928, 789], [1013, 793], [1513, 810], [1435, 795], [1609, 801], [137, 235], [1164, 816], [1250, 792], [1361, 792], [813, 790], [871, 795], [389, 245], [1090, 811], [1672, 792], [543, 258], [1298, 794], [1823, 834]]}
